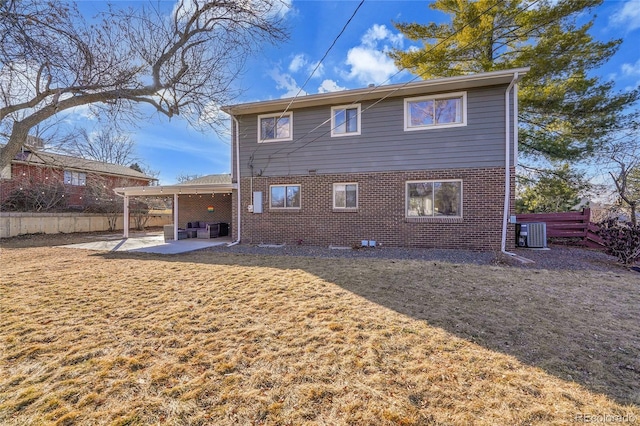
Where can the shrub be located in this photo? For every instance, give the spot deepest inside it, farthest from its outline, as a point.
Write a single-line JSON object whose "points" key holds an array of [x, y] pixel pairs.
{"points": [[140, 213], [621, 239], [36, 197]]}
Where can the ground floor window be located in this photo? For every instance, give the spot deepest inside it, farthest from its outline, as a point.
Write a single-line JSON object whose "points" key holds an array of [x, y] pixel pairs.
{"points": [[345, 195], [434, 198], [75, 178], [285, 197]]}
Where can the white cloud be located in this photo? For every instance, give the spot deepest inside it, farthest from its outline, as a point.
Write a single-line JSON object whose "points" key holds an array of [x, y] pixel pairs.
{"points": [[282, 8], [631, 69], [286, 82], [298, 62], [212, 115], [381, 33], [369, 62], [276, 9], [301, 63], [370, 65], [627, 16], [330, 86], [85, 112], [318, 72]]}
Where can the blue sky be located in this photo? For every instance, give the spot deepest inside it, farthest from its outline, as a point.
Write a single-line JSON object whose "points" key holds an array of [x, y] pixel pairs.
{"points": [[358, 59]]}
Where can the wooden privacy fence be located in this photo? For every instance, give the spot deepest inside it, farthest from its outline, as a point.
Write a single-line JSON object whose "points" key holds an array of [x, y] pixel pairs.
{"points": [[572, 227]]}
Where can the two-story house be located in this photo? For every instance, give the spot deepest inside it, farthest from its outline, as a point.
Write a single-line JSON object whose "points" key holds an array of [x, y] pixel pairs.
{"points": [[423, 164]]}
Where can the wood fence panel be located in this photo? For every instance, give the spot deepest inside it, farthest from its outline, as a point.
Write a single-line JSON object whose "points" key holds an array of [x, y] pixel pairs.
{"points": [[570, 225]]}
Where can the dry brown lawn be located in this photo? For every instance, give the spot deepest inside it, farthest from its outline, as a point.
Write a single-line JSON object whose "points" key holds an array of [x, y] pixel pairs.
{"points": [[208, 338]]}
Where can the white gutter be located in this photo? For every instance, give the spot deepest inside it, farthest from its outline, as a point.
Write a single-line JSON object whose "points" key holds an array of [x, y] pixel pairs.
{"points": [[515, 125], [417, 88], [237, 132], [175, 217], [507, 160]]}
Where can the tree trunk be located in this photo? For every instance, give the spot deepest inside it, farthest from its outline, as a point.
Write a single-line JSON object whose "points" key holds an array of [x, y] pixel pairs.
{"points": [[17, 139]]}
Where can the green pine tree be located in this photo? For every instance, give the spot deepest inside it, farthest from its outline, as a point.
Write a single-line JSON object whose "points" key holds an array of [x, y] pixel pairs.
{"points": [[555, 190]]}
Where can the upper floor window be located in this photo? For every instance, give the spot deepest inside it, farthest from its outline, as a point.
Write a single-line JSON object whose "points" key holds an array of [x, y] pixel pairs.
{"points": [[434, 198], [345, 195], [285, 196], [275, 127], [345, 120], [75, 178], [437, 111]]}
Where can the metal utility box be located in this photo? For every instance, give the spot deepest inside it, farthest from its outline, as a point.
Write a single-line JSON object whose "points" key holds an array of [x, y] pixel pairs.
{"points": [[531, 235], [257, 202]]}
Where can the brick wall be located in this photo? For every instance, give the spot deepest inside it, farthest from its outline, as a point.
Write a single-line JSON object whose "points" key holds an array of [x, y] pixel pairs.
{"points": [[381, 212], [24, 175], [194, 207]]}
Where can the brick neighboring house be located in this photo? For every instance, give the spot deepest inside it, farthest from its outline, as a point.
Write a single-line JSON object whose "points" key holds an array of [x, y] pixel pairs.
{"points": [[424, 164], [75, 177]]}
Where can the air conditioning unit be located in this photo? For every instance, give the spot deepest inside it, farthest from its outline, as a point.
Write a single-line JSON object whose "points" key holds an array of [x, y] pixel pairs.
{"points": [[531, 235]]}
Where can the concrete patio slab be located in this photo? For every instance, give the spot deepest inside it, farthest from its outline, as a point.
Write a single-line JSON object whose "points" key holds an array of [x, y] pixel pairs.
{"points": [[150, 244]]}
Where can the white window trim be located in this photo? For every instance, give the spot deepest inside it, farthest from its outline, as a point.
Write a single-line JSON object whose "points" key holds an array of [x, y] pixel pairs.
{"points": [[406, 199], [408, 128], [333, 117], [278, 115], [81, 178], [285, 195], [334, 195]]}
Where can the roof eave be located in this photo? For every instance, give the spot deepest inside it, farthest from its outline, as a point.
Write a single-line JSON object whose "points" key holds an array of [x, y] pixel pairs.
{"points": [[402, 89], [82, 169], [155, 191]]}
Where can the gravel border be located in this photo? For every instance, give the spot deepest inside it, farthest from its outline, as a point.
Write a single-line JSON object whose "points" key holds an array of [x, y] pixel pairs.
{"points": [[555, 258], [558, 257]]}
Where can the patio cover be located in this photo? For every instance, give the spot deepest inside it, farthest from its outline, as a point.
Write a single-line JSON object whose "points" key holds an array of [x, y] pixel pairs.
{"points": [[211, 184]]}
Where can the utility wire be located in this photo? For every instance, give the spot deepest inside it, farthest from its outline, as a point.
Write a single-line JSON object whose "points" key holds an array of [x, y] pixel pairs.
{"points": [[387, 80], [333, 43]]}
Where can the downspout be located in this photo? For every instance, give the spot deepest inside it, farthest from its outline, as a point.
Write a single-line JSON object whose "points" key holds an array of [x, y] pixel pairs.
{"points": [[176, 212], [239, 220], [507, 161]]}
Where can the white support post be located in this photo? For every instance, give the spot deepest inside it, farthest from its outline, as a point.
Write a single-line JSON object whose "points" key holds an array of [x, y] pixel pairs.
{"points": [[175, 217], [126, 216]]}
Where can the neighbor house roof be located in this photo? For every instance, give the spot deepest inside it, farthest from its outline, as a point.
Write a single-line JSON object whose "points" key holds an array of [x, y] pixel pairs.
{"points": [[378, 92], [209, 180], [68, 162]]}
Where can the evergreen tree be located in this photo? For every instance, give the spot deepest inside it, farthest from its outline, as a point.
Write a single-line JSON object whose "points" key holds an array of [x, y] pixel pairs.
{"points": [[565, 111], [557, 190]]}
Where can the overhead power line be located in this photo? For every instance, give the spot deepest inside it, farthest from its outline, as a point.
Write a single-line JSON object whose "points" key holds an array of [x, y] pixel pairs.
{"points": [[333, 43], [326, 53], [381, 84]]}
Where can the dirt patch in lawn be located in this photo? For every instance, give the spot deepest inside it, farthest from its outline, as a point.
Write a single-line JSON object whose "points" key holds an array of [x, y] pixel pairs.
{"points": [[214, 338]]}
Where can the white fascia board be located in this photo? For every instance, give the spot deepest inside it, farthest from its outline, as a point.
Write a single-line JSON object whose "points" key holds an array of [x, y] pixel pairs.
{"points": [[176, 189], [395, 90]]}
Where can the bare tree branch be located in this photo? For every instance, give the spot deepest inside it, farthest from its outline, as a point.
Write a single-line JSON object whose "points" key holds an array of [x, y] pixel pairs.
{"points": [[179, 62]]}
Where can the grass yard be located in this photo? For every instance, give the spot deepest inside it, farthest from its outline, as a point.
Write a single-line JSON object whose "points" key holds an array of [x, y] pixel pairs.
{"points": [[207, 338]]}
